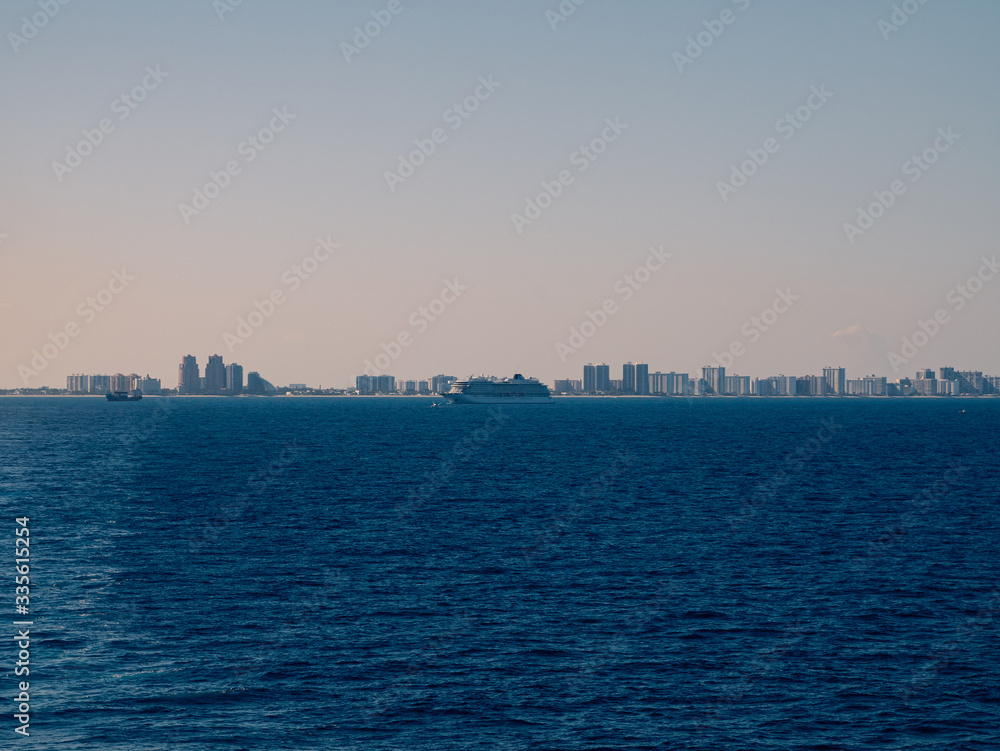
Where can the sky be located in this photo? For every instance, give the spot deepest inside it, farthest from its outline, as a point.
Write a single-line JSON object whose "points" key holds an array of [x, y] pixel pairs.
{"points": [[412, 187]]}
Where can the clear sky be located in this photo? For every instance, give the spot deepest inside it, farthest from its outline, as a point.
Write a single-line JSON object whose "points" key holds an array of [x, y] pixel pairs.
{"points": [[180, 88]]}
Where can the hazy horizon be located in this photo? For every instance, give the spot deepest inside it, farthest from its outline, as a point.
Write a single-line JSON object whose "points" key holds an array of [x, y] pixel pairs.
{"points": [[122, 114]]}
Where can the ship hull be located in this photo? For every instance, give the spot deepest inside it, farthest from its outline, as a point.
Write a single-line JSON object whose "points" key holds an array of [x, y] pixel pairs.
{"points": [[123, 397], [481, 399]]}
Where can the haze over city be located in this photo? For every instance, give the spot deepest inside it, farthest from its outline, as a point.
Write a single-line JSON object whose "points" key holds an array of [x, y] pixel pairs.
{"points": [[476, 178]]}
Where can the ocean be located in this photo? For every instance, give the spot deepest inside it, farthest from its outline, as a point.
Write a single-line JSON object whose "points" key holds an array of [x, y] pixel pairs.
{"points": [[375, 573]]}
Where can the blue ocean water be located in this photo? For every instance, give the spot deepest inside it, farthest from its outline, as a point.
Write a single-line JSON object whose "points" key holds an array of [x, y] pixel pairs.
{"points": [[295, 573]]}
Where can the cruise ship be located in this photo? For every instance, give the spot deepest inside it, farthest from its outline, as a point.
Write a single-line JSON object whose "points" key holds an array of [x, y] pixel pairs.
{"points": [[490, 390]]}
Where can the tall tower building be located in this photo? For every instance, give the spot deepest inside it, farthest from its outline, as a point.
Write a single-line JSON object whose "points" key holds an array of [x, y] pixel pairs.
{"points": [[602, 377], [628, 378], [188, 379], [836, 381], [715, 380], [589, 378], [234, 378], [642, 378], [215, 375]]}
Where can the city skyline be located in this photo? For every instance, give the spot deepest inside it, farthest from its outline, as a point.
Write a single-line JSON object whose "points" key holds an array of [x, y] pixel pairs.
{"points": [[482, 210], [227, 379]]}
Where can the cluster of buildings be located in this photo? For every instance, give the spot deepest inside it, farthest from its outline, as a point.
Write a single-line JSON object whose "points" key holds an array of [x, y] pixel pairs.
{"points": [[222, 379], [387, 384], [219, 379], [105, 384], [714, 381]]}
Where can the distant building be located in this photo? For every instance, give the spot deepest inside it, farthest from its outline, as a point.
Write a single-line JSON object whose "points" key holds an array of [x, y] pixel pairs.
{"points": [[715, 379], [297, 386], [628, 378], [589, 378], [257, 385], [234, 378], [737, 385], [602, 377], [563, 387], [149, 385], [383, 384], [641, 378], [422, 386], [836, 380], [442, 383], [78, 384], [120, 382], [215, 375], [100, 384], [188, 381]]}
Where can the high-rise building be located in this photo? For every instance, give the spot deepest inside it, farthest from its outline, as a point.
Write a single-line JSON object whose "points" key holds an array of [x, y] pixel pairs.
{"points": [[737, 385], [149, 385], [100, 384], [188, 379], [215, 375], [628, 378], [589, 378], [641, 378], [442, 383], [836, 381], [715, 378], [234, 378], [79, 384], [602, 377], [382, 384], [257, 385], [120, 382]]}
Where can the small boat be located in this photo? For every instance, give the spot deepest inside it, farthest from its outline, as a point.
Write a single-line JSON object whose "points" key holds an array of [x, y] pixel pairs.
{"points": [[124, 396]]}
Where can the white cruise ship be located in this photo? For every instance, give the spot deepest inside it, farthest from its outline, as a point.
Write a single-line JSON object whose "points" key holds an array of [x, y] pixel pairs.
{"points": [[490, 390]]}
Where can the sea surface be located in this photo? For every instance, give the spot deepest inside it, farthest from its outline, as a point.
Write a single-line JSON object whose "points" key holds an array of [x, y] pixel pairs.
{"points": [[376, 573]]}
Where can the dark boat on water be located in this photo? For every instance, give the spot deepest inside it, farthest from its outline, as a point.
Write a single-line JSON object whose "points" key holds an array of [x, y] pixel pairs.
{"points": [[124, 396]]}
